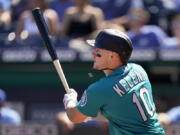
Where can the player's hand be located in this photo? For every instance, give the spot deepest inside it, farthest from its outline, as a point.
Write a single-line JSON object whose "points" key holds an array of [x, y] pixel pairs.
{"points": [[70, 99]]}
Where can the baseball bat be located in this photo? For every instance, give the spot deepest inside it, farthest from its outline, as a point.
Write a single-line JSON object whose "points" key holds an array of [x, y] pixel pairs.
{"points": [[44, 32]]}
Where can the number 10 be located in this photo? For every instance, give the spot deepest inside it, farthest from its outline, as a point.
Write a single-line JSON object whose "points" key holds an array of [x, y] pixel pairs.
{"points": [[150, 111]]}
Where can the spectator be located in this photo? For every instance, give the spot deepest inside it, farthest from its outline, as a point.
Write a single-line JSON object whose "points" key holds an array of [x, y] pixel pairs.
{"points": [[5, 15], [7, 115], [141, 34], [114, 8], [60, 6], [26, 24], [172, 5], [170, 9], [17, 8], [81, 20], [5, 4], [174, 41], [156, 10], [170, 117], [177, 3]]}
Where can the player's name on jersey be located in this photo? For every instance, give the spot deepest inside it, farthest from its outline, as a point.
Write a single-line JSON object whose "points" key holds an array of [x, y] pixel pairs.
{"points": [[128, 82]]}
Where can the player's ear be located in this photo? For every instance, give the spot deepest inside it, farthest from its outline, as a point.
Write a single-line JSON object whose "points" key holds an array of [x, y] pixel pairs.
{"points": [[112, 55]]}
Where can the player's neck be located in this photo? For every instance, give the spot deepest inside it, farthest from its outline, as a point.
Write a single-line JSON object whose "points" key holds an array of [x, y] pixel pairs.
{"points": [[107, 72], [111, 69]]}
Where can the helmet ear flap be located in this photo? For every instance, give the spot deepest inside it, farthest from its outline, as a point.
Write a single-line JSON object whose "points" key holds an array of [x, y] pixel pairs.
{"points": [[125, 55]]}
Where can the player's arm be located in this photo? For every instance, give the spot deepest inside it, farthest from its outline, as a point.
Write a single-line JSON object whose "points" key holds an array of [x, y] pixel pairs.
{"points": [[75, 115], [70, 102], [53, 19], [73, 112]]}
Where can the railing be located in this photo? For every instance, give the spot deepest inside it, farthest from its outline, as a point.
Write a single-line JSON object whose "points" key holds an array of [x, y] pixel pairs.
{"points": [[52, 129], [30, 54]]}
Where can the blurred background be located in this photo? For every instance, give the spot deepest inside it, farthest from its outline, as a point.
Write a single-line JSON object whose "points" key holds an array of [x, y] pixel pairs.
{"points": [[30, 86]]}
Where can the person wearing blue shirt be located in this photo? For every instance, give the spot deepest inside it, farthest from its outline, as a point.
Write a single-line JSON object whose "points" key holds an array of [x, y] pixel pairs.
{"points": [[142, 34], [170, 117], [7, 115], [123, 97], [174, 114], [114, 9]]}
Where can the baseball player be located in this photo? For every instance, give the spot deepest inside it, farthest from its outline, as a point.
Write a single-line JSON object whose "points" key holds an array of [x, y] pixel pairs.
{"points": [[124, 96]]}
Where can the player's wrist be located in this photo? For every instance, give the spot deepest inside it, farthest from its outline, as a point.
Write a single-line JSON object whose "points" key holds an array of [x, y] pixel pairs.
{"points": [[70, 103]]}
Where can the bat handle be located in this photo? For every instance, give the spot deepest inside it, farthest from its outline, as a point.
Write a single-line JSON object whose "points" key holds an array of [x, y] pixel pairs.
{"points": [[61, 74]]}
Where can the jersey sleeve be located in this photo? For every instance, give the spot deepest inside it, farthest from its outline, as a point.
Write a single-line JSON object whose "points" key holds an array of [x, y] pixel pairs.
{"points": [[90, 102]]}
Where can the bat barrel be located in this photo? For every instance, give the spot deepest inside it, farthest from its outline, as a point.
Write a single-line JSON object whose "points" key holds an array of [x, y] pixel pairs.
{"points": [[43, 29]]}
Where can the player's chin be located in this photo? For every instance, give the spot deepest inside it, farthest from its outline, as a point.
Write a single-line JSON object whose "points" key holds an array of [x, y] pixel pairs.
{"points": [[96, 67]]}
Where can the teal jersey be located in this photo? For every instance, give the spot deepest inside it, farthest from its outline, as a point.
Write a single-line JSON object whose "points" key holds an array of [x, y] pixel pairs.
{"points": [[125, 98]]}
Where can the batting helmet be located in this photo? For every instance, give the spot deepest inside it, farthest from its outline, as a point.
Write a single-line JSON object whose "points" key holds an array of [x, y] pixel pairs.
{"points": [[114, 40]]}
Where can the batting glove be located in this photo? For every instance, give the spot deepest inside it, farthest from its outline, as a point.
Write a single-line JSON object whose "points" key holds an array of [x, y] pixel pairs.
{"points": [[70, 99]]}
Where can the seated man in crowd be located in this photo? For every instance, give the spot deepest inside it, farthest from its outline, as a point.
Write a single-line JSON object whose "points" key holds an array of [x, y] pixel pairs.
{"points": [[142, 34]]}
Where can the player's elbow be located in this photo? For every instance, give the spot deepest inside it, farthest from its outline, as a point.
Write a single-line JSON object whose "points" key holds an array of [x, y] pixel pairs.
{"points": [[74, 120]]}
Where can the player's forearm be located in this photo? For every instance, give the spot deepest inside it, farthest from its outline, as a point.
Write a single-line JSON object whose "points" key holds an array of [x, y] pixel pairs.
{"points": [[74, 115], [71, 113]]}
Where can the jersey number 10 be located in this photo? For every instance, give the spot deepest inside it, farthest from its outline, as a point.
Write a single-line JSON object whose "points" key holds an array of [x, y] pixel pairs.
{"points": [[149, 109]]}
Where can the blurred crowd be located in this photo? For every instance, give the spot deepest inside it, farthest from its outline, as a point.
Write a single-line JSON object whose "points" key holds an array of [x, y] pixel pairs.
{"points": [[149, 23]]}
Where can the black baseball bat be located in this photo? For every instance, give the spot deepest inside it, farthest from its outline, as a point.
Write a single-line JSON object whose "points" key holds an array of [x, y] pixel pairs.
{"points": [[43, 29], [44, 32]]}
